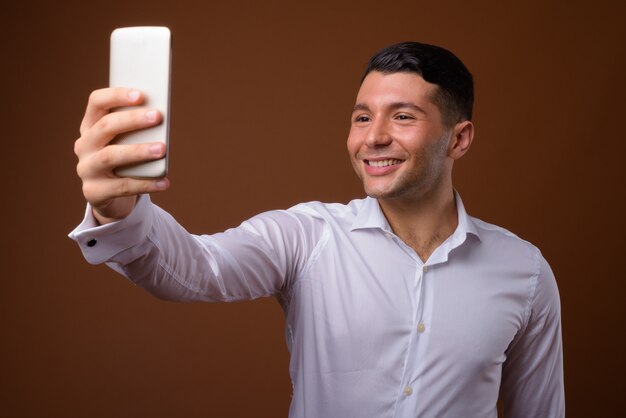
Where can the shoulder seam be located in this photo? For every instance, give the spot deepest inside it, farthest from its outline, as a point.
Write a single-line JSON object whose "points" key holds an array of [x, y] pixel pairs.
{"points": [[534, 280]]}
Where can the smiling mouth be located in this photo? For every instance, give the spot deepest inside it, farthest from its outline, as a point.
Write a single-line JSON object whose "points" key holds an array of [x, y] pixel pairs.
{"points": [[383, 163]]}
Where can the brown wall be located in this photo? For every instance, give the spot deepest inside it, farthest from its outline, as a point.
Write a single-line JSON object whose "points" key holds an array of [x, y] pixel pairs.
{"points": [[260, 110]]}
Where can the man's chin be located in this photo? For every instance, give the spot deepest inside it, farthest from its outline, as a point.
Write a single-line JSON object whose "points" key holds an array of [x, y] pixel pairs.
{"points": [[378, 193], [389, 192], [382, 187]]}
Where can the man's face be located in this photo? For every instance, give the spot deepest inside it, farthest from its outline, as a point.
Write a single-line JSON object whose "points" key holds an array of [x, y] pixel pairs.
{"points": [[398, 142]]}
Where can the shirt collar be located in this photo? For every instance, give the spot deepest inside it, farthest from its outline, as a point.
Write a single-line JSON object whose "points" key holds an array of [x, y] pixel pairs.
{"points": [[464, 228], [466, 223], [370, 215]]}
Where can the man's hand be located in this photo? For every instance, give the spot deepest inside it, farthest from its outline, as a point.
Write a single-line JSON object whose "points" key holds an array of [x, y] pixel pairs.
{"points": [[113, 197]]}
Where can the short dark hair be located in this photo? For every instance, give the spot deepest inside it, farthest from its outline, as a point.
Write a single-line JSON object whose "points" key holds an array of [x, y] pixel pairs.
{"points": [[436, 65]]}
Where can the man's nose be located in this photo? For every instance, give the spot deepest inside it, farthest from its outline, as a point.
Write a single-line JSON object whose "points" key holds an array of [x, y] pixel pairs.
{"points": [[378, 134]]}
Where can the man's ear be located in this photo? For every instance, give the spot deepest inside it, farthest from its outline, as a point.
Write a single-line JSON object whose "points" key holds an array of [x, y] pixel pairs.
{"points": [[462, 136]]}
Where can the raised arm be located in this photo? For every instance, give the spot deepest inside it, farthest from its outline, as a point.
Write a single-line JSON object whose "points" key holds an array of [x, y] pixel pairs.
{"points": [[263, 256]]}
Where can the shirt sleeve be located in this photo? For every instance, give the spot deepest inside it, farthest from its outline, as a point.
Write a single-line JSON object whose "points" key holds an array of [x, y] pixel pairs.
{"points": [[532, 380], [261, 257]]}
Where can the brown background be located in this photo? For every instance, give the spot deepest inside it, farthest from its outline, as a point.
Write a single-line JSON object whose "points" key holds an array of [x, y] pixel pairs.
{"points": [[261, 98]]}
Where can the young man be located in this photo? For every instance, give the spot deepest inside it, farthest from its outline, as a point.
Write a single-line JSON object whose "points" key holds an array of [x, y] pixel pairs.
{"points": [[397, 305]]}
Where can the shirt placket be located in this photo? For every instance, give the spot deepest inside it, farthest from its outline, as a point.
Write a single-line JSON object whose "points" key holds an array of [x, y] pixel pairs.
{"points": [[409, 391]]}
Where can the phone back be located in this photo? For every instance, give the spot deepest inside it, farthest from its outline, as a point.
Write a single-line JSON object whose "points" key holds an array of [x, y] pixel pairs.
{"points": [[141, 59]]}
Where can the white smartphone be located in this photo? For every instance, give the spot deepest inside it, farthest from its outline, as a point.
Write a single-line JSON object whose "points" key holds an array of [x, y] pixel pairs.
{"points": [[141, 58]]}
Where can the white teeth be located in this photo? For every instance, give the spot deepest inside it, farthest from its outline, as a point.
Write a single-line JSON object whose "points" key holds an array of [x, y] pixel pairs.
{"points": [[383, 163]]}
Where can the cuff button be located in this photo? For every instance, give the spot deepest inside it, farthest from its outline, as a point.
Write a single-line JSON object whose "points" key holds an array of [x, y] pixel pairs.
{"points": [[92, 242]]}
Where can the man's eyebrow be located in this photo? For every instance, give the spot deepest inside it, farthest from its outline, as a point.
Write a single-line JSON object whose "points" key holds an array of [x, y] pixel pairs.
{"points": [[360, 106], [392, 106], [399, 105]]}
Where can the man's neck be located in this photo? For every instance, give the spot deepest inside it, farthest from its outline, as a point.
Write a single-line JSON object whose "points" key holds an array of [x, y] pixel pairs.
{"points": [[423, 223]]}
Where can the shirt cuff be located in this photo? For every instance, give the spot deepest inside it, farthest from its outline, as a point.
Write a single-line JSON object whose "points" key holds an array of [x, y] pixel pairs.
{"points": [[100, 243]]}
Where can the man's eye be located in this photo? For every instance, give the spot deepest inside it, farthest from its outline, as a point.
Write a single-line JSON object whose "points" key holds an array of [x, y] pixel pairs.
{"points": [[361, 119], [404, 117]]}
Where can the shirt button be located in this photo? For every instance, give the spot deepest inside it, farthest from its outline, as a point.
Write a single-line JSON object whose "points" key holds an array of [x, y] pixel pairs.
{"points": [[421, 327], [408, 390], [92, 242], [388, 234], [425, 269]]}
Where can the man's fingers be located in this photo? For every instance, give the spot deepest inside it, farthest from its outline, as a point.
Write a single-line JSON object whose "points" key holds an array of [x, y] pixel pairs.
{"points": [[105, 161], [102, 101], [113, 124], [114, 197], [101, 192], [125, 186]]}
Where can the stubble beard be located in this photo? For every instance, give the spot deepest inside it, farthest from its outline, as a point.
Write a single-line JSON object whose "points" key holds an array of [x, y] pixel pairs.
{"points": [[425, 176]]}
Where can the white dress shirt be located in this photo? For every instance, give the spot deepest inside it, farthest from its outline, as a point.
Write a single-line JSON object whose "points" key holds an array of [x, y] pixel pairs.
{"points": [[372, 330]]}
